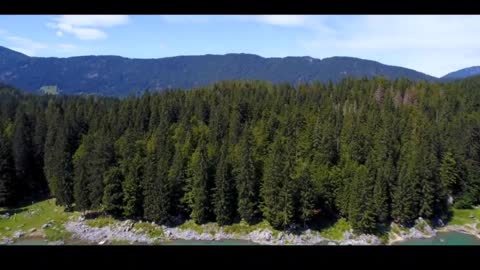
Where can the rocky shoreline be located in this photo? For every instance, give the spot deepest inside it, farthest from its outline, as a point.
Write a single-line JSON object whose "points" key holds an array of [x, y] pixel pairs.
{"points": [[126, 233]]}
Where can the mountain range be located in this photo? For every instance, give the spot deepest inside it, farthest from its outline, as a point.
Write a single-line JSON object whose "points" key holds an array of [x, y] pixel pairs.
{"points": [[120, 76]]}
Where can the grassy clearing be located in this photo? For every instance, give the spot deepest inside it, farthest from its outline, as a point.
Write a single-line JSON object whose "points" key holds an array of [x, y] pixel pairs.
{"points": [[336, 231], [245, 228], [191, 225], [463, 216], [151, 230], [101, 222], [56, 232], [235, 229], [34, 216]]}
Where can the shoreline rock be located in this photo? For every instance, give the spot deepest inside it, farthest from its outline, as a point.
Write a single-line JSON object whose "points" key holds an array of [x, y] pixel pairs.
{"points": [[124, 231]]}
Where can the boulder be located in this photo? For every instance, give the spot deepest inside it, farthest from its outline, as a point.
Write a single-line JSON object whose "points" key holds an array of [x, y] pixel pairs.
{"points": [[18, 234], [46, 225], [450, 200], [32, 230]]}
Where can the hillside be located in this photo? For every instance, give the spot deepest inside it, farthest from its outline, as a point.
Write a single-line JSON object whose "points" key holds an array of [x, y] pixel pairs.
{"points": [[119, 76], [462, 73]]}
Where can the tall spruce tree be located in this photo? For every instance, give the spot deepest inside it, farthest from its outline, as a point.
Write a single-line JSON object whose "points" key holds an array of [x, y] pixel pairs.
{"points": [[246, 180], [7, 173], [198, 193], [224, 193], [112, 199]]}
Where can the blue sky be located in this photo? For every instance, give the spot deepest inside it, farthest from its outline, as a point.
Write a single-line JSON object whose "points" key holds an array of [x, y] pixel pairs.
{"points": [[434, 45]]}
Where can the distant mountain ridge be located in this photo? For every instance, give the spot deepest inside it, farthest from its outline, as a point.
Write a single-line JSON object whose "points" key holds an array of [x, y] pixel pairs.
{"points": [[119, 76], [462, 73]]}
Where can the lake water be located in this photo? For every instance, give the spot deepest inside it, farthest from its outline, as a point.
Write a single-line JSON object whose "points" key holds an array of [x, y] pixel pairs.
{"points": [[209, 243], [444, 239]]}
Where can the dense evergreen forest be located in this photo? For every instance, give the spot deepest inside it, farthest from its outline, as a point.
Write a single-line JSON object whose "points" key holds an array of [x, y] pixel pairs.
{"points": [[370, 150]]}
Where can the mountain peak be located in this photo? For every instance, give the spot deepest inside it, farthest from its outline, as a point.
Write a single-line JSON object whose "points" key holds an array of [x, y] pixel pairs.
{"points": [[118, 76]]}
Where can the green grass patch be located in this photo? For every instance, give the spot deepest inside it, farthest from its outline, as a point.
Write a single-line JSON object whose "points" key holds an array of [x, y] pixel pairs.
{"points": [[235, 229], [151, 230], [463, 216], [34, 216], [57, 232], [336, 231], [245, 228], [100, 222], [191, 225], [239, 228]]}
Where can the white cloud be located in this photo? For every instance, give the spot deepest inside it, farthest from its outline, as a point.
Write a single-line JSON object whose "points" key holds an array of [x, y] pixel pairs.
{"points": [[283, 20], [66, 47], [432, 44], [279, 20], [188, 18], [25, 45], [93, 20], [86, 27]]}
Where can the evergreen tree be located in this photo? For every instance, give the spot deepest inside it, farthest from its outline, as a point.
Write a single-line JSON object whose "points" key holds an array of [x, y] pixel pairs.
{"points": [[246, 180], [224, 197], [7, 173], [81, 175], [306, 194], [448, 172], [276, 190], [198, 196], [112, 194], [361, 212], [22, 153]]}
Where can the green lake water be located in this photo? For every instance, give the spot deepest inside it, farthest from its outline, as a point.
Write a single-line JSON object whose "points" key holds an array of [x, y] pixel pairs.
{"points": [[444, 239], [209, 243]]}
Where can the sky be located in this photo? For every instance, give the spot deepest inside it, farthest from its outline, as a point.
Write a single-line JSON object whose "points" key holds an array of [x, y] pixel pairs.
{"points": [[435, 45]]}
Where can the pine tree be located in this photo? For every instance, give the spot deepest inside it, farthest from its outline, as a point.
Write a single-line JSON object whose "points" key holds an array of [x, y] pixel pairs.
{"points": [[61, 177], [132, 189], [224, 197], [112, 199], [246, 180], [81, 175], [22, 153], [158, 189], [361, 212], [198, 196], [448, 172], [7, 173], [101, 159], [306, 194], [276, 190]]}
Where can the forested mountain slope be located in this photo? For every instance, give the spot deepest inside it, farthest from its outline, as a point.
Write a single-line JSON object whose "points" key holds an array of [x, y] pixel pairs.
{"points": [[118, 76], [372, 151]]}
